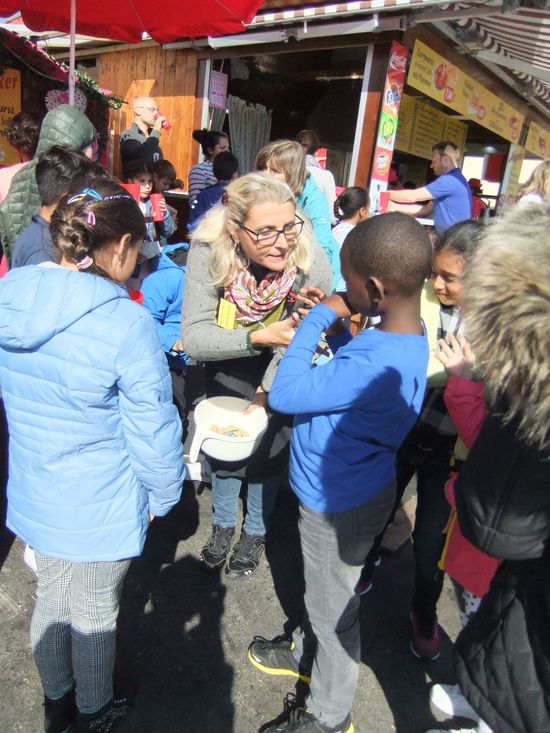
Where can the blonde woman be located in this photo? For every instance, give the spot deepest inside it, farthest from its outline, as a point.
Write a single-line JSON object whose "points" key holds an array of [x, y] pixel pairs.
{"points": [[254, 253], [536, 190], [286, 160]]}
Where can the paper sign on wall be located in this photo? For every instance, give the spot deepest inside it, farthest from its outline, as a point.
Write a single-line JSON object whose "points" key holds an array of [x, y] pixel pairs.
{"points": [[217, 92], [10, 105]]}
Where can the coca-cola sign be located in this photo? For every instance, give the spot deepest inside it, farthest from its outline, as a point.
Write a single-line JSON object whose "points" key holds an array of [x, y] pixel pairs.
{"points": [[398, 61]]}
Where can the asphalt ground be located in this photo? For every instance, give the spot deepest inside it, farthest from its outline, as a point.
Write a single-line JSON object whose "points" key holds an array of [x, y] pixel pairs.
{"points": [[183, 635]]}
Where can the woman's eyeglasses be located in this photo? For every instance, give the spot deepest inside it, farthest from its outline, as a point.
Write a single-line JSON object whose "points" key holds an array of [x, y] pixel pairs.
{"points": [[268, 237]]}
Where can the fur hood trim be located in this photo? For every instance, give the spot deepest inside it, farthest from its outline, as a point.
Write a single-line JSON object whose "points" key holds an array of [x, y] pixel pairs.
{"points": [[507, 313]]}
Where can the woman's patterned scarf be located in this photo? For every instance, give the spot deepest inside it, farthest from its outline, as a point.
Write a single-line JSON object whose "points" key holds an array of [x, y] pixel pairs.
{"points": [[256, 300]]}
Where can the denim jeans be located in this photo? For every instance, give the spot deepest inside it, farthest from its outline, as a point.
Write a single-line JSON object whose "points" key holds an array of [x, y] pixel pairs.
{"points": [[334, 548], [260, 500], [73, 628]]}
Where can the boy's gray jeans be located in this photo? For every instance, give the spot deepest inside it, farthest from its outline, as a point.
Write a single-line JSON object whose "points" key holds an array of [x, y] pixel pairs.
{"points": [[334, 548]]}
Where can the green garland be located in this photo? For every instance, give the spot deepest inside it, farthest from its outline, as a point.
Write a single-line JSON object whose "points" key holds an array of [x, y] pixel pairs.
{"points": [[9, 59]]}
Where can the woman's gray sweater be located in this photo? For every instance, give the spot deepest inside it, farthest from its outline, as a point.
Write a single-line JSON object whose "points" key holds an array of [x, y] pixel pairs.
{"points": [[202, 338]]}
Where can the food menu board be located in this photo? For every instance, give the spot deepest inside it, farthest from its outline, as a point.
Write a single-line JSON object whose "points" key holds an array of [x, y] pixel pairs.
{"points": [[538, 141], [10, 105], [509, 188], [434, 76], [455, 131], [421, 127]]}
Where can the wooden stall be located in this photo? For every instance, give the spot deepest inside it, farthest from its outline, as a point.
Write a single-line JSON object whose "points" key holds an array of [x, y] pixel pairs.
{"points": [[170, 77]]}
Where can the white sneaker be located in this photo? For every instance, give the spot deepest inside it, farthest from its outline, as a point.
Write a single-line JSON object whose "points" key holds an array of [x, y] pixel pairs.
{"points": [[449, 700]]}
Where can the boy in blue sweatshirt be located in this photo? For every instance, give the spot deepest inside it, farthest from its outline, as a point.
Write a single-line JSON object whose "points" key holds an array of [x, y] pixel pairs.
{"points": [[352, 414]]}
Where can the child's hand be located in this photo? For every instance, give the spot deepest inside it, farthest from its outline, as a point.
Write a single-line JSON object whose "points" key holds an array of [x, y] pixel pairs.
{"points": [[178, 346], [259, 400], [456, 356], [338, 303], [162, 205]]}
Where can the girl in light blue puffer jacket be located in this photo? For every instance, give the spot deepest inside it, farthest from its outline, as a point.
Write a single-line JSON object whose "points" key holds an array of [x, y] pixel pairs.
{"points": [[95, 443]]}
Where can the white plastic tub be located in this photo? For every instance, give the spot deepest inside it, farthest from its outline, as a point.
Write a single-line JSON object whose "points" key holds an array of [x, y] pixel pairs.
{"points": [[225, 411]]}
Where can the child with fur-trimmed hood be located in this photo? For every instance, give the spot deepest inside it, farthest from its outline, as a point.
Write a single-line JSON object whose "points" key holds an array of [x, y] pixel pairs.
{"points": [[503, 492]]}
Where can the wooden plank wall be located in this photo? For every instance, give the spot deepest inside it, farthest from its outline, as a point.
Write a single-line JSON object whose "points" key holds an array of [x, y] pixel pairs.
{"points": [[168, 76]]}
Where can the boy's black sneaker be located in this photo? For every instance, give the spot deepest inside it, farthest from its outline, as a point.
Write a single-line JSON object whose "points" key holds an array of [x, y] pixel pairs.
{"points": [[302, 720], [275, 657], [246, 556], [215, 552], [59, 715], [106, 720]]}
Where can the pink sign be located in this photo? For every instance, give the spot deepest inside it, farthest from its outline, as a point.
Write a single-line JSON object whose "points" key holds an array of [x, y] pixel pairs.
{"points": [[217, 93]]}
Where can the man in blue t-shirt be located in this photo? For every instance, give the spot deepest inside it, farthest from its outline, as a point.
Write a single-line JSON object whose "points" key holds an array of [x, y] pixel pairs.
{"points": [[448, 199]]}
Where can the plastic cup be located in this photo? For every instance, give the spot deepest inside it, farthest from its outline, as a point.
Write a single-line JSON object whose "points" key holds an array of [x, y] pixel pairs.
{"points": [[133, 189], [155, 199], [165, 125], [384, 200], [136, 296]]}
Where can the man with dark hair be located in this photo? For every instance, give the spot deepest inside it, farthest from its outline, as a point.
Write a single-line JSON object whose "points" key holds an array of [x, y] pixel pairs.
{"points": [[224, 166], [141, 140], [58, 171], [448, 198]]}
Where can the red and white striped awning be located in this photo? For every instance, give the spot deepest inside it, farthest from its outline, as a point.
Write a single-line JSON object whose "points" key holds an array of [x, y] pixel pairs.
{"points": [[517, 42], [323, 11]]}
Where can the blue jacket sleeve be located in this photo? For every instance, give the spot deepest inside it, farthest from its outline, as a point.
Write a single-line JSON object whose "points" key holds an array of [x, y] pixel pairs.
{"points": [[150, 421], [166, 226], [300, 388], [315, 206], [157, 298], [196, 210]]}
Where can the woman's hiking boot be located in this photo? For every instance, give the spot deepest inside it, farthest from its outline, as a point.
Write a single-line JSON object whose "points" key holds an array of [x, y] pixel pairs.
{"points": [[214, 553], [246, 556]]}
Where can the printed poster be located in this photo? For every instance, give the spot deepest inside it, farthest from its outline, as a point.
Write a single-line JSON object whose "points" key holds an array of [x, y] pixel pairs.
{"points": [[538, 141], [387, 125], [10, 105], [435, 77]]}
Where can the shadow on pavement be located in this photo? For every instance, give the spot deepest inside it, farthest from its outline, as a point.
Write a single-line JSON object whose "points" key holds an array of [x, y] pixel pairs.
{"points": [[384, 619], [284, 555], [385, 649], [170, 653]]}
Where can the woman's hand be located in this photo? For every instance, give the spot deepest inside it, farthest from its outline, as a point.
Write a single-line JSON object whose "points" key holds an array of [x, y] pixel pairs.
{"points": [[456, 356], [259, 400], [309, 296], [276, 334]]}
